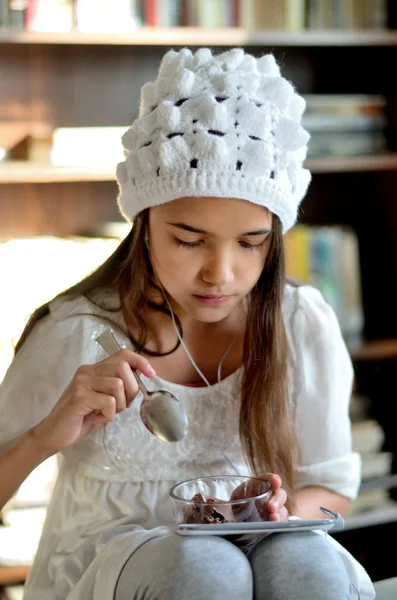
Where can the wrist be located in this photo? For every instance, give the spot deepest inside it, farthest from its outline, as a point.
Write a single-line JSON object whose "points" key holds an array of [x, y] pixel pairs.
{"points": [[38, 446]]}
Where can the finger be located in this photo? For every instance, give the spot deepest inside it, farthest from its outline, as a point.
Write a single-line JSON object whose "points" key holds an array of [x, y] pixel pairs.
{"points": [[249, 489], [277, 501], [119, 369], [135, 361], [274, 479], [86, 401], [112, 386], [280, 516], [108, 410]]}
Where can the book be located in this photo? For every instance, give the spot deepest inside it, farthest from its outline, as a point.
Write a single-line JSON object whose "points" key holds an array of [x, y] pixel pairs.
{"points": [[327, 257], [262, 14], [379, 16], [72, 145], [340, 143], [294, 15], [50, 15], [169, 13], [346, 124], [345, 14], [24, 140], [212, 13], [297, 252], [343, 122], [352, 315], [96, 16], [3, 13], [325, 265], [17, 14], [151, 13]]}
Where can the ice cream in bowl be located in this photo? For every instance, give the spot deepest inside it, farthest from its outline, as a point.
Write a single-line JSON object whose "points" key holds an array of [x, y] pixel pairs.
{"points": [[220, 499]]}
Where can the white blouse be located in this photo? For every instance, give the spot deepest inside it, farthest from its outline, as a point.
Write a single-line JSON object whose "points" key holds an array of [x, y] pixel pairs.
{"points": [[111, 493]]}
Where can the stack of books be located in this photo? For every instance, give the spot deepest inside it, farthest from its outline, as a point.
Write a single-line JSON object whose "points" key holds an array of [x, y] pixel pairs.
{"points": [[345, 124], [327, 257], [126, 15]]}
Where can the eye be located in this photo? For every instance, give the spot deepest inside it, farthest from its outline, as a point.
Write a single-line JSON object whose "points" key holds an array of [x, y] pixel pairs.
{"points": [[248, 246], [183, 244]]}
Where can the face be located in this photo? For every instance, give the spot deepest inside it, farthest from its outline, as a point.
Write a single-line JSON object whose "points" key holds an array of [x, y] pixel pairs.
{"points": [[208, 253]]}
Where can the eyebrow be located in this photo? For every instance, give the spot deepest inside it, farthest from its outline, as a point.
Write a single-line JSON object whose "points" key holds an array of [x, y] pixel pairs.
{"points": [[203, 232]]}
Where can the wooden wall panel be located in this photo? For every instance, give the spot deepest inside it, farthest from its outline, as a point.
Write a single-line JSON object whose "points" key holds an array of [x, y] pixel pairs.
{"points": [[93, 85], [74, 85], [61, 209], [366, 202]]}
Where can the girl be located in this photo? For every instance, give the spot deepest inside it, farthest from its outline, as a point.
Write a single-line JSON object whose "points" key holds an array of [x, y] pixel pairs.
{"points": [[197, 295]]}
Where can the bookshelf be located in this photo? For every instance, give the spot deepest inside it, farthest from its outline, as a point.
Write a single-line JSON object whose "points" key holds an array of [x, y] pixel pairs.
{"points": [[374, 351], [17, 172], [198, 36], [77, 79], [81, 79], [13, 575]]}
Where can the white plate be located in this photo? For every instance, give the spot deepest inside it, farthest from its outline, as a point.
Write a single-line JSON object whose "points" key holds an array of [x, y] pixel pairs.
{"points": [[336, 523]]}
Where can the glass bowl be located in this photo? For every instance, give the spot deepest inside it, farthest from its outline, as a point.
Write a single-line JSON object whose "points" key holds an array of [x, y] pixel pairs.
{"points": [[220, 499]]}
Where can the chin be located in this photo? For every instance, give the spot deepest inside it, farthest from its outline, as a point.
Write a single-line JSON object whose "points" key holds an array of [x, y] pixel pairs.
{"points": [[215, 317], [208, 314]]}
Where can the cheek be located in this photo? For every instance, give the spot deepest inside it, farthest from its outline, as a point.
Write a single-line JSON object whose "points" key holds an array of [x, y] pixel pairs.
{"points": [[251, 268], [175, 264]]}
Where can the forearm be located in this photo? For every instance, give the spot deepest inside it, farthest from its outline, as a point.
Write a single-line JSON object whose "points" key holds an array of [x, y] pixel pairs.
{"points": [[17, 461], [309, 500]]}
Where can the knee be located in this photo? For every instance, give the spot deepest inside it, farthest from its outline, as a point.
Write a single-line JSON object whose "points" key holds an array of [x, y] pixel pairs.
{"points": [[208, 567], [298, 565], [176, 568]]}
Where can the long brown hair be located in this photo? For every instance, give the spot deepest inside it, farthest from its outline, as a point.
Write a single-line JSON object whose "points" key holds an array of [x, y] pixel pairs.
{"points": [[266, 416]]}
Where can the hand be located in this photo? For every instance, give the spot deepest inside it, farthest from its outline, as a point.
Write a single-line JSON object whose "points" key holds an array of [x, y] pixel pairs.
{"points": [[272, 509], [94, 396]]}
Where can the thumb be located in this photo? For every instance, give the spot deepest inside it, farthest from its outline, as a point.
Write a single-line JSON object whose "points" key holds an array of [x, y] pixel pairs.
{"points": [[274, 480]]}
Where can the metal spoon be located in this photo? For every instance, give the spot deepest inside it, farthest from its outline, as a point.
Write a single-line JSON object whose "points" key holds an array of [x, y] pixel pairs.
{"points": [[162, 414]]}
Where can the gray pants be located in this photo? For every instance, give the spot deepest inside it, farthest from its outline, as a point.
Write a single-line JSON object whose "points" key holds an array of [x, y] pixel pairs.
{"points": [[282, 566]]}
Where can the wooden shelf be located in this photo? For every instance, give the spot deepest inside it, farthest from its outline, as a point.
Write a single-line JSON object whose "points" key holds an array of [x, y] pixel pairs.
{"points": [[12, 172], [196, 36], [25, 172], [11, 575], [348, 164], [375, 350]]}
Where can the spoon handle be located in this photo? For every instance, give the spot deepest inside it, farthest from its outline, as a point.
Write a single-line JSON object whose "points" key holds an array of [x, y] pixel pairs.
{"points": [[140, 383], [111, 346], [108, 342]]}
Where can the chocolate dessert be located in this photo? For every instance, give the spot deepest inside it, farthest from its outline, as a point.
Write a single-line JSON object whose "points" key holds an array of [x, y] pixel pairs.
{"points": [[216, 511], [199, 513]]}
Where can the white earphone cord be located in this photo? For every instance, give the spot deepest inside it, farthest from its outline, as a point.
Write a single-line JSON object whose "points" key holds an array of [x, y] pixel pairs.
{"points": [[190, 357]]}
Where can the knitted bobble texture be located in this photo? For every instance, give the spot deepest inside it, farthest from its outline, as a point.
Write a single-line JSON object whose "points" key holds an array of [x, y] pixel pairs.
{"points": [[219, 125]]}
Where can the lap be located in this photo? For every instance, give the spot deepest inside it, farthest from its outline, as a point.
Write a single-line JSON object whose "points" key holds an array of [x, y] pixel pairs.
{"points": [[292, 565], [175, 568]]}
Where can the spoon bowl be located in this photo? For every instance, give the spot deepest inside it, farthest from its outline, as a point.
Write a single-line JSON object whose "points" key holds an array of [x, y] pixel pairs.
{"points": [[161, 412]]}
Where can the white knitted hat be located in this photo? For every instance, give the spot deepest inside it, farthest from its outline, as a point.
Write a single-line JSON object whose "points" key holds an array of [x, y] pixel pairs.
{"points": [[225, 125]]}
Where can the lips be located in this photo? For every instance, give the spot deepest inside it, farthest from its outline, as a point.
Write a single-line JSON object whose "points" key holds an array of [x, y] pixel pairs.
{"points": [[213, 296], [212, 299]]}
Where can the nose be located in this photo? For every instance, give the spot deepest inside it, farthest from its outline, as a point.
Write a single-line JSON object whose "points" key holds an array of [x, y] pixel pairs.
{"points": [[218, 269]]}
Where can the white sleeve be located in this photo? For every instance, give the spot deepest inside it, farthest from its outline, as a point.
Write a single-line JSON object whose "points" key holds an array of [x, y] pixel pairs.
{"points": [[322, 384], [44, 366]]}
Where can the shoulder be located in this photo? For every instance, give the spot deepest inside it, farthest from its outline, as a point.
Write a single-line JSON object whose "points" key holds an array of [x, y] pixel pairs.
{"points": [[314, 336], [306, 304], [70, 324], [100, 302]]}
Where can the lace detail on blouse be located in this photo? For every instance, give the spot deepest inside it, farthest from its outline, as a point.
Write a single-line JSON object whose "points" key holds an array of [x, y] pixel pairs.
{"points": [[124, 450]]}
